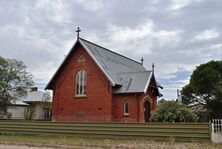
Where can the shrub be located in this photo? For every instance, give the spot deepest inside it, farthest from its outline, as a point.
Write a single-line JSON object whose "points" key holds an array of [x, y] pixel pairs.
{"points": [[172, 111], [29, 113]]}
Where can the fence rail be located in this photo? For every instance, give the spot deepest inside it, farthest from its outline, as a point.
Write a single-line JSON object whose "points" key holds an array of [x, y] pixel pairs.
{"points": [[148, 131]]}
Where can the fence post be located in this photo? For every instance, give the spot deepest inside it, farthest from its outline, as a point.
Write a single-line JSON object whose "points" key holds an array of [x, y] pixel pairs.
{"points": [[220, 125], [212, 126]]}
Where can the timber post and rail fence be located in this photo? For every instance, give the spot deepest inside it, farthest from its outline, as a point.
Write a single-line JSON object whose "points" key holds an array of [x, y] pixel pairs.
{"points": [[146, 131]]}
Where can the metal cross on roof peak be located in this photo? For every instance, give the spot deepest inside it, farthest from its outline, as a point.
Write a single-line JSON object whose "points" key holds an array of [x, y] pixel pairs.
{"points": [[78, 30], [142, 59], [153, 67]]}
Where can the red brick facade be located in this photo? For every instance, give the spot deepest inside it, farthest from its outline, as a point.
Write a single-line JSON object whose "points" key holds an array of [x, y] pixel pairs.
{"points": [[100, 103], [136, 107]]}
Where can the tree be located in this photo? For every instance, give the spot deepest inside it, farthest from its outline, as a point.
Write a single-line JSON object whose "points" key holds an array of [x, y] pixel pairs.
{"points": [[14, 82], [29, 113], [205, 88], [47, 104], [172, 111]]}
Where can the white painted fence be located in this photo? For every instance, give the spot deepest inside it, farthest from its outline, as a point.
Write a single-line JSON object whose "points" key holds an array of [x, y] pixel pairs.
{"points": [[216, 134]]}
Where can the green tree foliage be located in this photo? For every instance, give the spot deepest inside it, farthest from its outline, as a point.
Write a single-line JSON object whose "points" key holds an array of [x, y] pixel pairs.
{"points": [[205, 88], [172, 111], [14, 82]]}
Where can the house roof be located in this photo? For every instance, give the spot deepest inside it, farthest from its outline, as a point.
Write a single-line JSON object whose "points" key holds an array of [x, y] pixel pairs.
{"points": [[121, 71], [19, 103], [32, 96]]}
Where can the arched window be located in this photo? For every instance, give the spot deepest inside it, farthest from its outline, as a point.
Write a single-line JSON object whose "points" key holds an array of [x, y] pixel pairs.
{"points": [[126, 108], [81, 83]]}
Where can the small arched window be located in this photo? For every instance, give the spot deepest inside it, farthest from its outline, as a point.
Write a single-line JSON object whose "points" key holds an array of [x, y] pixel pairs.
{"points": [[81, 83], [126, 108]]}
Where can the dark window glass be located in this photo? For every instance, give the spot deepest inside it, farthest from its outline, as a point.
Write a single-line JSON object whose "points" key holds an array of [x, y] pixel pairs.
{"points": [[126, 108]]}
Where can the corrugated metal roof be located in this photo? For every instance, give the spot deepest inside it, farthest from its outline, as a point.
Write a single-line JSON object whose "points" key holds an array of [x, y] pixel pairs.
{"points": [[133, 82], [32, 96], [130, 75], [111, 62]]}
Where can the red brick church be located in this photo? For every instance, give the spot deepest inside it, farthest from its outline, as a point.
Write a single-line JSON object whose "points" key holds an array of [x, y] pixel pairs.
{"points": [[96, 84]]}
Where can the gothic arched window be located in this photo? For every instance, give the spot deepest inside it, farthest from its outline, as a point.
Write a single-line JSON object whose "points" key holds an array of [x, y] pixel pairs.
{"points": [[126, 108], [81, 83]]}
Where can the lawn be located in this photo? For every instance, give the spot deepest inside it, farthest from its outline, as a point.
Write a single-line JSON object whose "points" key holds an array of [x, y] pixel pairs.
{"points": [[73, 142]]}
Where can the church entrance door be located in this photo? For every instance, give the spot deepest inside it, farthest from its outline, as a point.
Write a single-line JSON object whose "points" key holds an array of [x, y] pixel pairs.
{"points": [[146, 111]]}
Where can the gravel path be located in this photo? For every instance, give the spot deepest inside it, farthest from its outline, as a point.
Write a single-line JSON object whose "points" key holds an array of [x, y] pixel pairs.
{"points": [[4, 146], [8, 146]]}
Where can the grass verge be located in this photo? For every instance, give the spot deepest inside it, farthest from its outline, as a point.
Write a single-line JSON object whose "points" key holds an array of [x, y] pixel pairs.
{"points": [[74, 142]]}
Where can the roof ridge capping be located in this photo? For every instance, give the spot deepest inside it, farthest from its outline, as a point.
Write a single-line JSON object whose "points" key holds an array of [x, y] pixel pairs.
{"points": [[135, 72], [110, 50]]}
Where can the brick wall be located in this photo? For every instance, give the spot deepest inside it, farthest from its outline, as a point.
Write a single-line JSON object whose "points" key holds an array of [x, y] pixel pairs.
{"points": [[96, 106], [118, 110], [136, 106]]}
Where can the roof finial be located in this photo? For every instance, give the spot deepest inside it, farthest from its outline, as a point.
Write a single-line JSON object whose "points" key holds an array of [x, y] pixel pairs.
{"points": [[153, 67], [142, 59], [78, 30]]}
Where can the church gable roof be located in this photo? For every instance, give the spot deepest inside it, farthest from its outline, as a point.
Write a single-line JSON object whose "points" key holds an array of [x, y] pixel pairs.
{"points": [[118, 69], [134, 82], [110, 62]]}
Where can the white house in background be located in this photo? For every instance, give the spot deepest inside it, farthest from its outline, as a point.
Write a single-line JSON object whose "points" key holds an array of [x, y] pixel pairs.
{"points": [[33, 98], [17, 110]]}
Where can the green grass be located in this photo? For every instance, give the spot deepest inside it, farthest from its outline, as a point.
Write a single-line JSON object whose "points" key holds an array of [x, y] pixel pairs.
{"points": [[74, 142]]}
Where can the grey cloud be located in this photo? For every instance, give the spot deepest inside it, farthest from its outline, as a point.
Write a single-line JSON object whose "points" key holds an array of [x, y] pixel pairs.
{"points": [[41, 35]]}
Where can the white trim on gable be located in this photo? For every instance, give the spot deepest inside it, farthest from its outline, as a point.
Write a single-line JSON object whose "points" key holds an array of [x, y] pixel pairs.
{"points": [[148, 82], [112, 82], [50, 81]]}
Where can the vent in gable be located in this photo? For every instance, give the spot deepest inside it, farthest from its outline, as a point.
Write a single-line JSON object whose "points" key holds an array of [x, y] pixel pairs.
{"points": [[81, 58]]}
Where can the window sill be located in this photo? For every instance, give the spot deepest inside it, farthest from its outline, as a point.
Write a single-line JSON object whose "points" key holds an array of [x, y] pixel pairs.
{"points": [[80, 97], [126, 115]]}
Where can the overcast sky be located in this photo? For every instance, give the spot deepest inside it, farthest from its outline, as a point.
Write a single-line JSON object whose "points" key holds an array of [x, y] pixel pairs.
{"points": [[175, 35]]}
